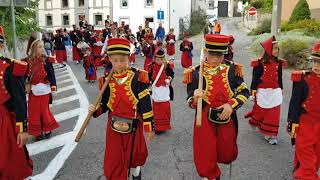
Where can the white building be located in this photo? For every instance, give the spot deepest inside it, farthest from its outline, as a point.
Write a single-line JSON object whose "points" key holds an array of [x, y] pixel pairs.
{"points": [[136, 12], [53, 14], [215, 8]]}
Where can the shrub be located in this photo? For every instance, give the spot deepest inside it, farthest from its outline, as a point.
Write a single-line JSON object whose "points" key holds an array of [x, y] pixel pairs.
{"points": [[310, 27], [196, 23], [263, 5], [263, 27], [300, 12], [257, 4], [294, 51], [293, 46]]}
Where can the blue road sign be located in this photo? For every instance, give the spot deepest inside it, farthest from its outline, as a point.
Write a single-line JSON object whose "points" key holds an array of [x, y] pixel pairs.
{"points": [[160, 15]]}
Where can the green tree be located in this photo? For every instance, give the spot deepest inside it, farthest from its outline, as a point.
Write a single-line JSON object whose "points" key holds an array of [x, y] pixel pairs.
{"points": [[300, 12], [26, 21]]}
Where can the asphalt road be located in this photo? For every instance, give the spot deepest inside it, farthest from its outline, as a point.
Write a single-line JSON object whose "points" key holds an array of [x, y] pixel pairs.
{"points": [[170, 155]]}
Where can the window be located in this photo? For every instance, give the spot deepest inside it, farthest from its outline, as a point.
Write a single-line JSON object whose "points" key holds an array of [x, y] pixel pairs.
{"points": [[149, 3], [124, 3], [211, 4], [65, 3], [126, 20], [150, 20], [98, 19], [98, 3], [49, 20], [80, 3], [48, 4], [65, 20]]}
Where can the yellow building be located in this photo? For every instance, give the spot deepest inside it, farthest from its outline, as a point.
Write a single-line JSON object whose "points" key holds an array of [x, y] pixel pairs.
{"points": [[289, 5]]}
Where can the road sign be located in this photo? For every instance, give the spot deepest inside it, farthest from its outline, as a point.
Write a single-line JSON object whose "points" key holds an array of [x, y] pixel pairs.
{"points": [[17, 3], [160, 15], [252, 11]]}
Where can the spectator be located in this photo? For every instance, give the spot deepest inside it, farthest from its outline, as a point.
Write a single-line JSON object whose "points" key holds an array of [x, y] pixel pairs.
{"points": [[48, 45], [160, 33], [67, 43]]}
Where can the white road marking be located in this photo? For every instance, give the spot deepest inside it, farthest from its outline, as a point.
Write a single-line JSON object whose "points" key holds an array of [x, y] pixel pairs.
{"points": [[67, 115], [60, 90], [62, 77], [52, 143], [64, 100], [65, 140], [64, 81], [60, 73]]}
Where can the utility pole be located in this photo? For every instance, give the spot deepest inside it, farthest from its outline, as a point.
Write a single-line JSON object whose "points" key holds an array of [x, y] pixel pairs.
{"points": [[13, 22], [276, 17]]}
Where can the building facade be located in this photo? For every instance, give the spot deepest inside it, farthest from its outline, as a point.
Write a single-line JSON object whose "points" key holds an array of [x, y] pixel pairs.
{"points": [[53, 14], [136, 12], [289, 5], [214, 8]]}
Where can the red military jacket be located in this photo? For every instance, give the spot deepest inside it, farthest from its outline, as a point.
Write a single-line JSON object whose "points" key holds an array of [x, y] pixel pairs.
{"points": [[266, 75], [12, 94], [126, 93], [305, 96]]}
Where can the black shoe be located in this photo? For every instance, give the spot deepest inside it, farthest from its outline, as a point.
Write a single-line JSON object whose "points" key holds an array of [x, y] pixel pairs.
{"points": [[47, 135], [159, 132], [39, 138], [137, 177]]}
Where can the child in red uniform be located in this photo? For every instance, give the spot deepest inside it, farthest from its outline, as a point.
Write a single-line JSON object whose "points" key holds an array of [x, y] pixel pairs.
{"points": [[186, 47], [266, 87], [148, 51], [161, 91], [15, 163], [132, 57], [127, 101], [171, 40], [90, 66], [224, 91], [43, 87], [303, 119]]}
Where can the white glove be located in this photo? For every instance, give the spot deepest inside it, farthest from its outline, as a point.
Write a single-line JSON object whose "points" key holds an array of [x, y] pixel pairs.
{"points": [[251, 98], [54, 93]]}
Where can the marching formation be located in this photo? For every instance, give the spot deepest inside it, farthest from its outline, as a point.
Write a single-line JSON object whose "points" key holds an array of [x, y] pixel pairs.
{"points": [[137, 102]]}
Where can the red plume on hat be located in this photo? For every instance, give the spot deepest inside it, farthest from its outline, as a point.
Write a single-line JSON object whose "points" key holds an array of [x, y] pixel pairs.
{"points": [[316, 50], [267, 45], [1, 31]]}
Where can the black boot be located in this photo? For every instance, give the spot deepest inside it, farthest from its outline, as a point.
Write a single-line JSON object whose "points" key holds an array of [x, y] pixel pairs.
{"points": [[39, 138], [47, 135], [137, 177]]}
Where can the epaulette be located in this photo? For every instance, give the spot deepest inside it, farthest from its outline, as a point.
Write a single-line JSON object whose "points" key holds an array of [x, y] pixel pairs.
{"points": [[19, 67], [254, 62], [187, 74], [171, 64], [239, 69], [143, 76], [51, 59], [296, 76], [283, 62]]}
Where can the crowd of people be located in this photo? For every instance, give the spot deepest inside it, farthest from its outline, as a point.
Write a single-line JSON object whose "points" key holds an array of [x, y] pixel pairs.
{"points": [[138, 100]]}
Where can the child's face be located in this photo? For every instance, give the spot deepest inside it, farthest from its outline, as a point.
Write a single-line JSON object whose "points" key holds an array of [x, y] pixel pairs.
{"points": [[316, 66], [275, 50], [119, 62], [159, 61]]}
